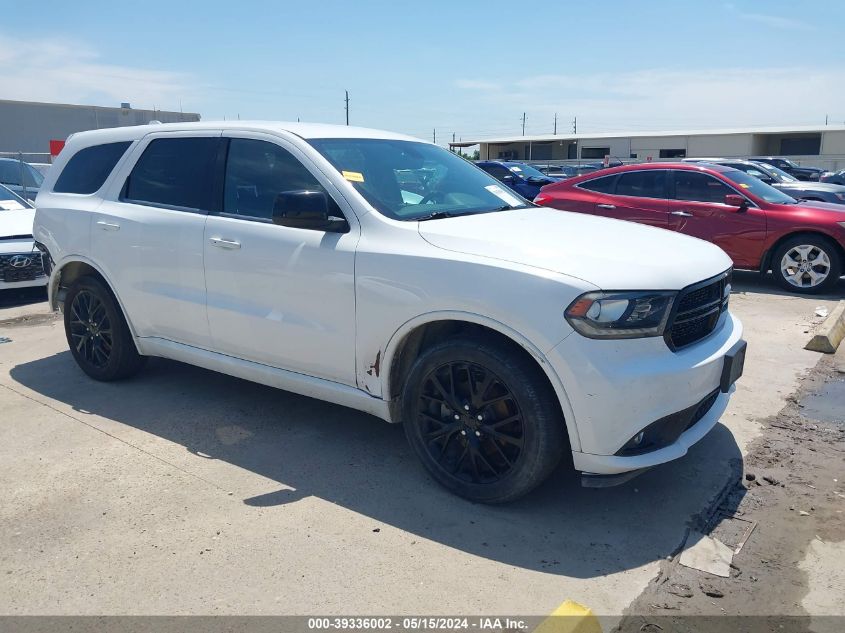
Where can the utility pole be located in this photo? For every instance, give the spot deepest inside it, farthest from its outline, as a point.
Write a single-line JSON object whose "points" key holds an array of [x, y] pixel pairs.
{"points": [[825, 119], [434, 136], [575, 125], [555, 132], [347, 107], [523, 123], [453, 142]]}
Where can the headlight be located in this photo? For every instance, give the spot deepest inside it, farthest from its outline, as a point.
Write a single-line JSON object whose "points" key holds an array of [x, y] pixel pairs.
{"points": [[621, 314], [842, 224]]}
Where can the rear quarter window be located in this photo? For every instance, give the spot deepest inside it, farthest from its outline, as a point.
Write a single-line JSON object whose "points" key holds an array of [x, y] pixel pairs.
{"points": [[605, 184], [88, 169]]}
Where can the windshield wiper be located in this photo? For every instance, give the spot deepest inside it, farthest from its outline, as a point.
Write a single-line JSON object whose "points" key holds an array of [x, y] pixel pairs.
{"points": [[438, 215]]}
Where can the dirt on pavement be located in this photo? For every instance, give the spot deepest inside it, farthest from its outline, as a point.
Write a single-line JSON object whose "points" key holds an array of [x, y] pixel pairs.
{"points": [[789, 493]]}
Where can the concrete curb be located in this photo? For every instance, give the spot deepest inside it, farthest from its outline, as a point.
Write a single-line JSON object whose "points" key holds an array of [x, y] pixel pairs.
{"points": [[830, 333]]}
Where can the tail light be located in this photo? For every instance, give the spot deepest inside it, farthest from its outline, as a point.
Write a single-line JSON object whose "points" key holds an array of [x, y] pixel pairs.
{"points": [[542, 198]]}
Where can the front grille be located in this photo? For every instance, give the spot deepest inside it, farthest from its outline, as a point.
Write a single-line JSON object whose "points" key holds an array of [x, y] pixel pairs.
{"points": [[703, 408], [32, 268], [697, 311]]}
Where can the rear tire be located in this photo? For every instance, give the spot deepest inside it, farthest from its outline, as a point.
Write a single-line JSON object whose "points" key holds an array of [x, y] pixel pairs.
{"points": [[483, 419], [807, 264], [97, 333]]}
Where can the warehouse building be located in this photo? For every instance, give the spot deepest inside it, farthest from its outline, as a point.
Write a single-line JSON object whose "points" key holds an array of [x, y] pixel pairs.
{"points": [[820, 146], [30, 127]]}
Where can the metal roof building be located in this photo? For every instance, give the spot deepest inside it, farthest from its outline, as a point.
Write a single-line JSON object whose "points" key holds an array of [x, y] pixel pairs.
{"points": [[29, 126], [823, 146]]}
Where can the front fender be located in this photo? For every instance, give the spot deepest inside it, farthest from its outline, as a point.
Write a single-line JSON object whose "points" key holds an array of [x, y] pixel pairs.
{"points": [[382, 377]]}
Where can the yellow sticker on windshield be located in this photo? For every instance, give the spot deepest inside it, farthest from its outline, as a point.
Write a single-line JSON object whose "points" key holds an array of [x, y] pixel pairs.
{"points": [[353, 176], [743, 185]]}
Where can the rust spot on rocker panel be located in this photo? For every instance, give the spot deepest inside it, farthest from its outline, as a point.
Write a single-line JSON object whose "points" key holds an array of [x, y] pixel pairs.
{"points": [[374, 368]]}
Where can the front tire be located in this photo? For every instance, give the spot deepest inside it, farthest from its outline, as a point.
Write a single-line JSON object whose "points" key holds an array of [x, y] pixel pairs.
{"points": [[483, 419], [97, 333], [807, 264]]}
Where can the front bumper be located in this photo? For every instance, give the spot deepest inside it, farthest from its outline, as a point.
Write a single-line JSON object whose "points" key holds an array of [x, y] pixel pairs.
{"points": [[616, 388]]}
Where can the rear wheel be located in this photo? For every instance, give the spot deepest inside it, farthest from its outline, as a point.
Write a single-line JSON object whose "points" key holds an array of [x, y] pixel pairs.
{"points": [[483, 420], [97, 333], [807, 264]]}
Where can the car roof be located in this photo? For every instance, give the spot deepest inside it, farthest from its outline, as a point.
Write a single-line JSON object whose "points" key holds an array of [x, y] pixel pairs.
{"points": [[610, 171], [303, 130]]}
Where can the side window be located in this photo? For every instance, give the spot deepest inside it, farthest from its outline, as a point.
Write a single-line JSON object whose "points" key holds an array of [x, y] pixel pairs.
{"points": [[642, 184], [257, 172], [697, 187], [605, 184], [174, 172], [497, 171], [88, 169]]}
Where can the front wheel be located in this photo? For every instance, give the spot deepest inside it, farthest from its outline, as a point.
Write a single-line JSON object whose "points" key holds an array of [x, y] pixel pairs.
{"points": [[483, 419], [97, 333], [807, 264]]}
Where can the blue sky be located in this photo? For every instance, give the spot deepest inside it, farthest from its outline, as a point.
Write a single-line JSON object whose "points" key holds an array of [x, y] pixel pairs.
{"points": [[466, 67]]}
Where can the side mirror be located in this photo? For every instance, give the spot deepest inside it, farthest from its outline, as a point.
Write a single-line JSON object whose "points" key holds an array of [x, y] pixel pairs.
{"points": [[736, 200], [536, 180], [307, 210]]}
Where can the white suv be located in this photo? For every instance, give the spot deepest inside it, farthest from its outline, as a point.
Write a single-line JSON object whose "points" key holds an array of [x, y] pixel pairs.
{"points": [[389, 275]]}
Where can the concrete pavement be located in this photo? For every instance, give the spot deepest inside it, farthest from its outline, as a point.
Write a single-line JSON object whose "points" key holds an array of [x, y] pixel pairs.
{"points": [[183, 491]]}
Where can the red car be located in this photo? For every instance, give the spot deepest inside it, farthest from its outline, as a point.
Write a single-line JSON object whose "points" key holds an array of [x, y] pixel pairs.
{"points": [[759, 227]]}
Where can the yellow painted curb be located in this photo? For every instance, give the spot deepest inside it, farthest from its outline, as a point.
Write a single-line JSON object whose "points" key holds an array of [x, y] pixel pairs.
{"points": [[570, 617], [830, 333]]}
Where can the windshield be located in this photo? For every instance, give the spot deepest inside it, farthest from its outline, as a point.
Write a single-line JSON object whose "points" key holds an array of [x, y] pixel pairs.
{"points": [[782, 176], [754, 186], [408, 180], [10, 201], [526, 171]]}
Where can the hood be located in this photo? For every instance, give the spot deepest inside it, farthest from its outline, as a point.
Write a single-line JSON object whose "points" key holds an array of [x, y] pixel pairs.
{"points": [[803, 185], [17, 222], [815, 206], [610, 254]]}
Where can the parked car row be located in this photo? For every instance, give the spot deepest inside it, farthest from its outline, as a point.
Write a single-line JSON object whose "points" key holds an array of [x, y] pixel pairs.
{"points": [[779, 179], [758, 226]]}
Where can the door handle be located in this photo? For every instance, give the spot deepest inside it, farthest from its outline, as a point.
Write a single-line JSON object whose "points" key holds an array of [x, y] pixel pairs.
{"points": [[108, 226], [685, 214], [229, 245], [606, 206]]}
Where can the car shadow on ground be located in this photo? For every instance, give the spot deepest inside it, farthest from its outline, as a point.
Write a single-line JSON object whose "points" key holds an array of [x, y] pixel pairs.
{"points": [[757, 283], [364, 464]]}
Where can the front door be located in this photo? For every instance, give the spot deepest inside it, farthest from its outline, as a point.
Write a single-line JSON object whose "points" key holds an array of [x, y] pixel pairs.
{"points": [[278, 295], [697, 208]]}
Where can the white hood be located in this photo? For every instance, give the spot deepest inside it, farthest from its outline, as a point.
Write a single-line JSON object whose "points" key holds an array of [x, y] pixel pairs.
{"points": [[18, 222], [611, 254]]}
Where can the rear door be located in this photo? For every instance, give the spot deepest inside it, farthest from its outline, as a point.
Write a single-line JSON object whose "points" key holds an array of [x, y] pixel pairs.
{"points": [[697, 208], [639, 196], [148, 235]]}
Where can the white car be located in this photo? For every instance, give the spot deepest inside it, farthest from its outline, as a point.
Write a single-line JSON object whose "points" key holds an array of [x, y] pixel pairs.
{"points": [[21, 263], [504, 336]]}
